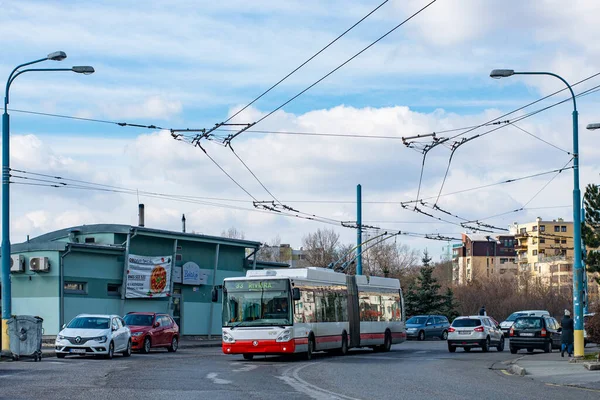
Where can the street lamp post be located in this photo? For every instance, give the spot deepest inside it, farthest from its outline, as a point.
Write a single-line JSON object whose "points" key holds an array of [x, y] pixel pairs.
{"points": [[6, 281], [578, 266]]}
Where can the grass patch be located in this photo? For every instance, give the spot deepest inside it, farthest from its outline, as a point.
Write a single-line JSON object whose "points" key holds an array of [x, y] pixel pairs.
{"points": [[591, 357]]}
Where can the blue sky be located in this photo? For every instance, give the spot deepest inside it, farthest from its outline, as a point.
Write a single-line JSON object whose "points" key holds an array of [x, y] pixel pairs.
{"points": [[191, 64]]}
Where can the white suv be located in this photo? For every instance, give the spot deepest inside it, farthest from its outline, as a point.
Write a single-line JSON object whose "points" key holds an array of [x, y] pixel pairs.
{"points": [[94, 335], [475, 331]]}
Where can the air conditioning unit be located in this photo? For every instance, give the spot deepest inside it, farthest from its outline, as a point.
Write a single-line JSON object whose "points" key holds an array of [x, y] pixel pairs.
{"points": [[17, 263], [39, 264]]}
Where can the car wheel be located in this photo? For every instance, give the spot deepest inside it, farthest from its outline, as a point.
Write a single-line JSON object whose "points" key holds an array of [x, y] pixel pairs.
{"points": [[127, 352], [111, 351], [486, 345], [248, 357], [344, 349], [467, 349], [311, 346], [513, 350], [548, 347], [445, 335], [421, 336], [529, 350], [60, 355], [451, 348], [147, 345], [500, 346], [174, 345]]}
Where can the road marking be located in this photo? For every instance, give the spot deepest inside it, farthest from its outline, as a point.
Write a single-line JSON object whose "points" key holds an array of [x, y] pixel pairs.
{"points": [[505, 372], [573, 387], [292, 378], [247, 368], [213, 377]]}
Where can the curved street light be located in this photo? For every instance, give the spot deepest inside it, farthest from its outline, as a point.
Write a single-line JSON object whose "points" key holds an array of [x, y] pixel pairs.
{"points": [[577, 244], [6, 283]]}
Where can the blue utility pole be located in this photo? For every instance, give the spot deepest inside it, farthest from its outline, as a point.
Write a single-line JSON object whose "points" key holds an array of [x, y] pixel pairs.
{"points": [[5, 262], [359, 229], [578, 270]]}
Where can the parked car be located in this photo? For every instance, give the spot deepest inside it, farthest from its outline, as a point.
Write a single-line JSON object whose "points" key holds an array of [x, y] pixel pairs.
{"points": [[151, 330], [586, 319], [424, 326], [89, 334], [535, 333], [475, 331], [508, 322]]}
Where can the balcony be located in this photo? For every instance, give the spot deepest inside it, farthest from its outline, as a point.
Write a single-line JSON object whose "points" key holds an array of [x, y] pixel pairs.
{"points": [[521, 247]]}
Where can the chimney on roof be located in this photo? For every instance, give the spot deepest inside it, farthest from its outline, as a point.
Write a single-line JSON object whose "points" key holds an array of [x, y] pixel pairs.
{"points": [[183, 223], [141, 215], [539, 219]]}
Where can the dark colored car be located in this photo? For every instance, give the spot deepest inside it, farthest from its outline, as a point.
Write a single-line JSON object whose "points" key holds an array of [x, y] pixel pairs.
{"points": [[424, 326], [152, 330], [531, 333]]}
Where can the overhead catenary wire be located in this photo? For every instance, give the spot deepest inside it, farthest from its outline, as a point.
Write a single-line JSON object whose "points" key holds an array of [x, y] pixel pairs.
{"points": [[307, 61], [233, 136]]}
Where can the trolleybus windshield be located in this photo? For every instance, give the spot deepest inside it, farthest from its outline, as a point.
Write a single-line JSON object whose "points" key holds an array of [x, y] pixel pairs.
{"points": [[257, 303]]}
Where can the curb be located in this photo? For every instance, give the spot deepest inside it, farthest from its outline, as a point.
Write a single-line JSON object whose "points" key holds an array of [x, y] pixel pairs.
{"points": [[517, 370], [592, 366], [198, 345]]}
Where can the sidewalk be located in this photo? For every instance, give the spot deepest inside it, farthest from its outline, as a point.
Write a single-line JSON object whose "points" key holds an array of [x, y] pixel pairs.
{"points": [[185, 343], [553, 369]]}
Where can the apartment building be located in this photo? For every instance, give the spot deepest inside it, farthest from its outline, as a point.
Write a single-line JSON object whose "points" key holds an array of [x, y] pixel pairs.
{"points": [[483, 256]]}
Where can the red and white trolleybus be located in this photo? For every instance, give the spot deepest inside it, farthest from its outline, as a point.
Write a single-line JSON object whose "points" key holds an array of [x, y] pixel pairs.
{"points": [[303, 310]]}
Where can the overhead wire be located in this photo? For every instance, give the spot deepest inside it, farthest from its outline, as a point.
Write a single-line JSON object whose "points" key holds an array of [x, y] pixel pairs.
{"points": [[307, 61], [233, 136]]}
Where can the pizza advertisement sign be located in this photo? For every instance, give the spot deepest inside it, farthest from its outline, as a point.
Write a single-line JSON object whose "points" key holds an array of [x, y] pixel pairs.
{"points": [[148, 277]]}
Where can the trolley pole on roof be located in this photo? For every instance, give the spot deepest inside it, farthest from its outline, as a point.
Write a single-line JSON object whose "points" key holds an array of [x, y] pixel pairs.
{"points": [[359, 229]]}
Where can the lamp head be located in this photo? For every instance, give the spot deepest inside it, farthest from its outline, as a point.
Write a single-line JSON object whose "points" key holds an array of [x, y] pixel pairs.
{"points": [[593, 127], [86, 70], [57, 56], [502, 73]]}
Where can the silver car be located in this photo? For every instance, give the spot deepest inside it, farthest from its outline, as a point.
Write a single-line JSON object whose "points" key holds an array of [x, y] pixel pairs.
{"points": [[97, 335], [475, 331]]}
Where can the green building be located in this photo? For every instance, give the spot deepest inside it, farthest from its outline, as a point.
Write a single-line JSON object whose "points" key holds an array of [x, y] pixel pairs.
{"points": [[81, 270]]}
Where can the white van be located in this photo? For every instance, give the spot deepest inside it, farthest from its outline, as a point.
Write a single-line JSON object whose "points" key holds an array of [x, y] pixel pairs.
{"points": [[508, 323]]}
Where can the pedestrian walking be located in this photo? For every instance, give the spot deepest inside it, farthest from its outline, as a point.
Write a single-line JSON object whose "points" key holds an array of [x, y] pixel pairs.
{"points": [[482, 311], [568, 328]]}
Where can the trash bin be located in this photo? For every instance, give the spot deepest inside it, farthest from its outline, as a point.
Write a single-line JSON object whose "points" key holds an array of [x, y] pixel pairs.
{"points": [[25, 335]]}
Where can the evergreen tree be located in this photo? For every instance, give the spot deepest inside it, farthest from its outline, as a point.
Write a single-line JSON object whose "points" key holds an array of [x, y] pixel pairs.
{"points": [[449, 308], [426, 260], [430, 301], [411, 302], [590, 229]]}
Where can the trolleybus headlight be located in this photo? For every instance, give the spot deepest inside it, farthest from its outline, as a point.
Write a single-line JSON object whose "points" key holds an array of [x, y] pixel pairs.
{"points": [[227, 338], [284, 336]]}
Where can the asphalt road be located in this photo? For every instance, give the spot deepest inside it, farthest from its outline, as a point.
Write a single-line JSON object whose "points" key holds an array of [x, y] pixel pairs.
{"points": [[412, 370]]}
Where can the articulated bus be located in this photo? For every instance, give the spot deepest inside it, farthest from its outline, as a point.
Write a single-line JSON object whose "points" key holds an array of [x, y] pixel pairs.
{"points": [[303, 310]]}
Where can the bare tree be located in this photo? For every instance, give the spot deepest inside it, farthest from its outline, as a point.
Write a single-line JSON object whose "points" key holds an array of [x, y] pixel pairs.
{"points": [[321, 247], [233, 233], [392, 260], [271, 251]]}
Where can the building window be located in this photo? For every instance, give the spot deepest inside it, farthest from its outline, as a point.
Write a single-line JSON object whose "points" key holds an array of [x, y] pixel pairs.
{"points": [[542, 251], [556, 241], [542, 241], [535, 228], [556, 228], [113, 289], [535, 252], [90, 240], [523, 230], [563, 241], [542, 228], [178, 257], [179, 248], [75, 288], [563, 228]]}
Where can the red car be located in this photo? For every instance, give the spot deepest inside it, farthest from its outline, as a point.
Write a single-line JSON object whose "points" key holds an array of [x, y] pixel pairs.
{"points": [[151, 330]]}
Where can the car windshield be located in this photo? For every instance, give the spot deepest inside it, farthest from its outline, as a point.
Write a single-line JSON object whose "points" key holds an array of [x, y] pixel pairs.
{"points": [[254, 302], [417, 320], [89, 323], [528, 323], [466, 323], [514, 316], [138, 320]]}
